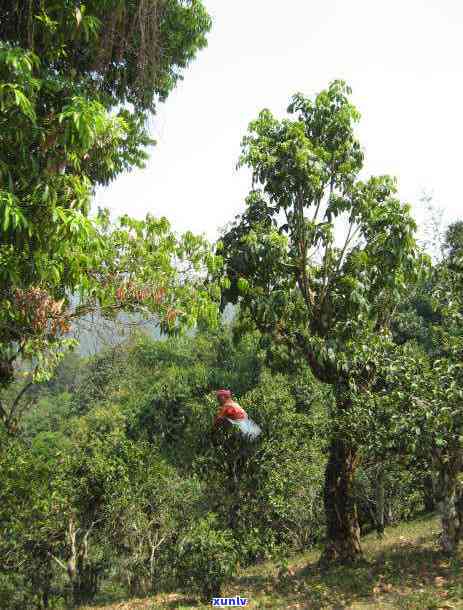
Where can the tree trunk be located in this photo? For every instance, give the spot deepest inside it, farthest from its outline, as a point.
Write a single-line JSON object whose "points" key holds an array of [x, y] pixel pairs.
{"points": [[448, 497], [459, 508], [343, 530], [389, 517], [380, 500], [429, 498]]}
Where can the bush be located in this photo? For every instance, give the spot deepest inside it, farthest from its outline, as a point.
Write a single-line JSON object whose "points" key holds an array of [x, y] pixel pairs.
{"points": [[14, 592], [206, 559], [268, 492]]}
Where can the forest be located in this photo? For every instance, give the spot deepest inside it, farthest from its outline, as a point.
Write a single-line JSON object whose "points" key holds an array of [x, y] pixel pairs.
{"points": [[335, 326]]}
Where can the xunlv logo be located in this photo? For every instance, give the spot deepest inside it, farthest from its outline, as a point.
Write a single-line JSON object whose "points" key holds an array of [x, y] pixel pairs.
{"points": [[229, 601]]}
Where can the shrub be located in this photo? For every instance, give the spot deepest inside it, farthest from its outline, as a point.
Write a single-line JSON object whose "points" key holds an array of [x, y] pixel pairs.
{"points": [[206, 559]]}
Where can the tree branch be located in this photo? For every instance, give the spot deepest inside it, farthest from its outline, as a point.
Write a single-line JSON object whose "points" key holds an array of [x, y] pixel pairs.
{"points": [[303, 280], [314, 218], [17, 399], [3, 415], [58, 561], [325, 258], [349, 239]]}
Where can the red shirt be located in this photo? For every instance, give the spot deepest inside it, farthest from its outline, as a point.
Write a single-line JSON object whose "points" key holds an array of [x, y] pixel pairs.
{"points": [[232, 410]]}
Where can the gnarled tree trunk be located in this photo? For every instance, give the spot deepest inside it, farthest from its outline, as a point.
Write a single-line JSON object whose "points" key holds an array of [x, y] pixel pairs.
{"points": [[343, 530]]}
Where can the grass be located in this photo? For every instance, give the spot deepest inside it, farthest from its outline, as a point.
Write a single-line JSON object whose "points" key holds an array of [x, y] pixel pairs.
{"points": [[405, 570]]}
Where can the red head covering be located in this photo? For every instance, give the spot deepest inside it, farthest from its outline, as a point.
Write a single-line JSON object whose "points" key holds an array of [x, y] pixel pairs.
{"points": [[223, 394]]}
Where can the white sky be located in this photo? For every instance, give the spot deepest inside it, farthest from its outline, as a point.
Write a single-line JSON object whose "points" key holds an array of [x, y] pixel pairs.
{"points": [[402, 58]]}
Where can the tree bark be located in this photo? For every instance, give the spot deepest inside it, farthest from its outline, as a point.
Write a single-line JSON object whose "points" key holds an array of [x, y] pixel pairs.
{"points": [[343, 530], [459, 509], [380, 500], [449, 505], [429, 498], [449, 515]]}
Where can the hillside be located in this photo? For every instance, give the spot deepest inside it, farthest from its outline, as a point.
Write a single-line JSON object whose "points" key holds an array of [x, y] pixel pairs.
{"points": [[405, 570]]}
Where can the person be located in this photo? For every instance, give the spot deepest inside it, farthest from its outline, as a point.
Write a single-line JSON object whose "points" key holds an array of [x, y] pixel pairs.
{"points": [[229, 409], [231, 412], [240, 450]]}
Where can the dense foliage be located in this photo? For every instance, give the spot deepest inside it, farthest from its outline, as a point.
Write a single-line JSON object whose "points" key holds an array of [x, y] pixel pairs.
{"points": [[329, 300], [120, 484], [346, 352], [77, 84]]}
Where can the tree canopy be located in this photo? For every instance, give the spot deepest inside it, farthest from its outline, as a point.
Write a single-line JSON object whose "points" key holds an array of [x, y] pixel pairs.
{"points": [[77, 84], [331, 300], [121, 51]]}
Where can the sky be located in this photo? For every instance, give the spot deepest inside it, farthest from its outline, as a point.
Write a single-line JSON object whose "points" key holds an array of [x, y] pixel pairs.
{"points": [[402, 59]]}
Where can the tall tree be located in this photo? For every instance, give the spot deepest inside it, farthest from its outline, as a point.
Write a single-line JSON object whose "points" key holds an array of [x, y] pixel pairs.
{"points": [[328, 299], [77, 84]]}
